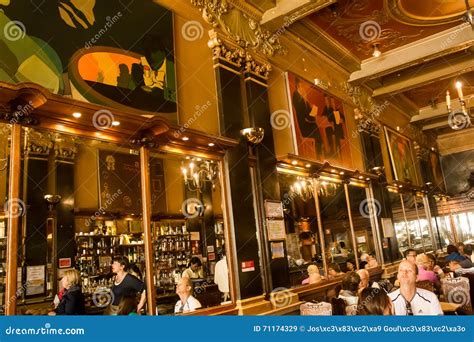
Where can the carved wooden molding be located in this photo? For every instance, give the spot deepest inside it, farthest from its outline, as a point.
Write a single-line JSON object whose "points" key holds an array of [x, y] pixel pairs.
{"points": [[38, 143], [240, 26]]}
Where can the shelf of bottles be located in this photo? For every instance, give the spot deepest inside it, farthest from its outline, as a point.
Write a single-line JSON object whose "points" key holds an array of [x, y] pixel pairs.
{"points": [[96, 250], [173, 250], [219, 231], [3, 259]]}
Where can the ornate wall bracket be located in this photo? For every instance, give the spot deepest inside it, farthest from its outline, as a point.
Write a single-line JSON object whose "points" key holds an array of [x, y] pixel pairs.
{"points": [[242, 28]]}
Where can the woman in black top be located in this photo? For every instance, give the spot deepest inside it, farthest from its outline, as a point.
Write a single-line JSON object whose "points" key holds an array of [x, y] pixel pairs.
{"points": [[126, 284], [72, 302]]}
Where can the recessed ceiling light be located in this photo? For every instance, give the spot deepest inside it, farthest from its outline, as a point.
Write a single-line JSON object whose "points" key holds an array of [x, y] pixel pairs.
{"points": [[361, 177], [341, 173], [210, 144], [400, 186], [333, 171], [115, 123], [308, 165], [77, 115], [367, 179], [294, 162], [185, 138]]}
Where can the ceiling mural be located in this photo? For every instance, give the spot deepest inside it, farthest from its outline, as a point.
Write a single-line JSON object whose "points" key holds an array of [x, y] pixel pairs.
{"points": [[359, 24]]}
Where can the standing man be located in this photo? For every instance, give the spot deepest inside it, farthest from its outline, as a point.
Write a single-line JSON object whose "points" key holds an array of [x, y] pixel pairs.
{"points": [[409, 300]]}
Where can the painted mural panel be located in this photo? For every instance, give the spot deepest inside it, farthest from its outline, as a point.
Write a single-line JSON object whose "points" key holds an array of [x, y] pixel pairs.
{"points": [[437, 171], [459, 173], [401, 157], [113, 53], [319, 123]]}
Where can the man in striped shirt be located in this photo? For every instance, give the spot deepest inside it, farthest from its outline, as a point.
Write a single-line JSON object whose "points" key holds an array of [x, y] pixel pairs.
{"points": [[409, 300]]}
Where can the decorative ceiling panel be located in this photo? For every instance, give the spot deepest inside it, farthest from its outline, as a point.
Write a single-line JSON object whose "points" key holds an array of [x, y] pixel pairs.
{"points": [[359, 24]]}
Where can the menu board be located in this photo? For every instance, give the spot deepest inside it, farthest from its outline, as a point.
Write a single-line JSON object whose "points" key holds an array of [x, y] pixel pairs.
{"points": [[119, 183]]}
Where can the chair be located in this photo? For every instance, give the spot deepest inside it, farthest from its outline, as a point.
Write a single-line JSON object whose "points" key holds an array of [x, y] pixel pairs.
{"points": [[458, 291], [426, 285], [316, 309]]}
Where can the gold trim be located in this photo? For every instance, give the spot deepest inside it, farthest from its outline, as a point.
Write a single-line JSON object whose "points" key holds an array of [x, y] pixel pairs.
{"points": [[256, 81], [396, 11], [226, 67]]}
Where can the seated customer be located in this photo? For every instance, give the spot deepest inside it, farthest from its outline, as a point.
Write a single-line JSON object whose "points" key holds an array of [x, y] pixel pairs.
{"points": [[334, 271], [410, 255], [432, 266], [350, 285], [455, 266], [423, 263], [454, 255], [186, 302], [371, 262], [314, 276], [72, 301], [374, 301], [409, 300]]}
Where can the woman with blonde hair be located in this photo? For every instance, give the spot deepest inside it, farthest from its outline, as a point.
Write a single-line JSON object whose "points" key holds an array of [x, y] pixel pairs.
{"points": [[72, 302], [314, 276]]}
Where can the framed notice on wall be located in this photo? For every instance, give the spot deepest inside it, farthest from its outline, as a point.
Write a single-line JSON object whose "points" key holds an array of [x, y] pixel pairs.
{"points": [[276, 229], [388, 229], [35, 279], [273, 209]]}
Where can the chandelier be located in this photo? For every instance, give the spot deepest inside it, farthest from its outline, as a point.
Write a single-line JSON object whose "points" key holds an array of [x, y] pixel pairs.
{"points": [[197, 172], [302, 188], [458, 118]]}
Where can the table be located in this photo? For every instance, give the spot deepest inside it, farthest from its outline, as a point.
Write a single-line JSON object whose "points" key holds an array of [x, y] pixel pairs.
{"points": [[449, 307]]}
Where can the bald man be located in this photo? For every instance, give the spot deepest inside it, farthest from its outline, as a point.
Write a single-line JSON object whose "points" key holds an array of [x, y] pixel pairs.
{"points": [[409, 300]]}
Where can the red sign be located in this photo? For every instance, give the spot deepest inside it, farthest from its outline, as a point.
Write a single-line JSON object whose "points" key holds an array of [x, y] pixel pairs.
{"points": [[64, 262], [248, 266]]}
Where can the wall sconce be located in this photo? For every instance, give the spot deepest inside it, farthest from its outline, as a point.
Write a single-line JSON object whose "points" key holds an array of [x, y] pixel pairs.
{"points": [[197, 172], [253, 135], [458, 119], [52, 201]]}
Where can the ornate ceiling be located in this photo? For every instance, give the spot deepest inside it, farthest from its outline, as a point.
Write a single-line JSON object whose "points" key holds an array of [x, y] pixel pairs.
{"points": [[359, 24], [426, 46]]}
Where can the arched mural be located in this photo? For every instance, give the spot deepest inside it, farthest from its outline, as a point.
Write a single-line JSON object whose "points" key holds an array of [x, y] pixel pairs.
{"points": [[113, 53]]}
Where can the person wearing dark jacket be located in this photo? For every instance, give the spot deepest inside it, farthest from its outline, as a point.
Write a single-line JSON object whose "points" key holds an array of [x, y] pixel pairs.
{"points": [[72, 301], [454, 255]]}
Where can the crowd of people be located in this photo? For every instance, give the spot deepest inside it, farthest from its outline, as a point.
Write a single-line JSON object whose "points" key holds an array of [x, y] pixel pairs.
{"points": [[415, 291]]}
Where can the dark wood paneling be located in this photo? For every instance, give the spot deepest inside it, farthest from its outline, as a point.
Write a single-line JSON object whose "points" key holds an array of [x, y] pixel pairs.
{"points": [[65, 211], [259, 113], [36, 213]]}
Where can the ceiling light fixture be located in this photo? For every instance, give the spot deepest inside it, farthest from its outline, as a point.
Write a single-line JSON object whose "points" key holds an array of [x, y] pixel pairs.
{"points": [[458, 119], [77, 115], [376, 53], [469, 13]]}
